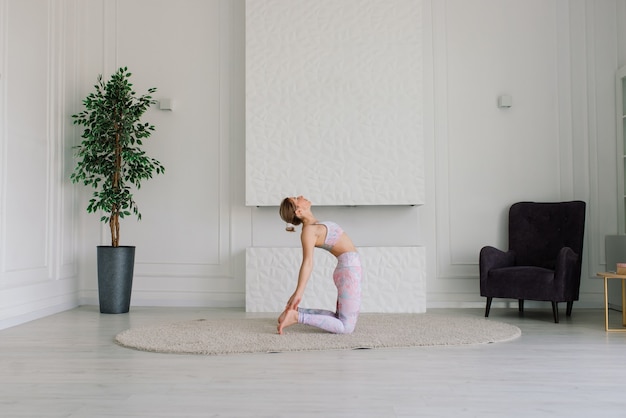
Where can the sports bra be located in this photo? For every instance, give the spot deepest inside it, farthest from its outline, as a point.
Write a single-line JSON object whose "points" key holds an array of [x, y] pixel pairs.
{"points": [[333, 233]]}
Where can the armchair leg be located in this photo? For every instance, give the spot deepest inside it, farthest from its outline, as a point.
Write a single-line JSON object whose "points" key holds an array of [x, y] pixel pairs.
{"points": [[488, 307], [570, 304], [555, 311], [520, 304]]}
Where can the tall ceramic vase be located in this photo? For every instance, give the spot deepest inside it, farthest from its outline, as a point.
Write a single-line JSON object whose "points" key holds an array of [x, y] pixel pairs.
{"points": [[115, 278]]}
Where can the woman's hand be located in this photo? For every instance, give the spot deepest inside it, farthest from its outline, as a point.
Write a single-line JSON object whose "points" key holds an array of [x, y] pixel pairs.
{"points": [[294, 301]]}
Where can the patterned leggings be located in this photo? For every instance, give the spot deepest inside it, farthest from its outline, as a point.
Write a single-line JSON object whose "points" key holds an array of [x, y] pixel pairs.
{"points": [[347, 277]]}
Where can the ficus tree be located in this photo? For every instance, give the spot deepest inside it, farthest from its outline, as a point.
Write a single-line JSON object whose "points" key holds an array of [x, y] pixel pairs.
{"points": [[110, 157]]}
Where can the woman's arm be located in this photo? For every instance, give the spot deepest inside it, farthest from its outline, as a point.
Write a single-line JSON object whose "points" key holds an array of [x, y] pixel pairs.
{"points": [[308, 239]]}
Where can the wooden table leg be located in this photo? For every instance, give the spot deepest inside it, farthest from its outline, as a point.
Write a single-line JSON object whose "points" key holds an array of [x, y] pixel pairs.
{"points": [[606, 305], [623, 303]]}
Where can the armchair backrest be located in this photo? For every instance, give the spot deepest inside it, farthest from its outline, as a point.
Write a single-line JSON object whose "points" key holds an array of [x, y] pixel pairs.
{"points": [[537, 231]]}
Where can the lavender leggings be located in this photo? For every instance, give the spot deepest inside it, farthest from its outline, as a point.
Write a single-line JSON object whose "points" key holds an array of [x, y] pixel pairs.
{"points": [[347, 277]]}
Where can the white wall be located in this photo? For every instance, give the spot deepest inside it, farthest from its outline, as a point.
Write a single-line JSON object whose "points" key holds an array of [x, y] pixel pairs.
{"points": [[556, 58], [38, 260], [184, 242]]}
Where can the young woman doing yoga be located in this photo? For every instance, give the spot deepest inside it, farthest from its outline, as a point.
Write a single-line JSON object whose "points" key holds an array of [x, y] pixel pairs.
{"points": [[347, 275]]}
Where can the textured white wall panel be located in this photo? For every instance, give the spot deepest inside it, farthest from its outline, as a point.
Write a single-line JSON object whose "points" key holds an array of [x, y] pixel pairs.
{"points": [[393, 279], [334, 102]]}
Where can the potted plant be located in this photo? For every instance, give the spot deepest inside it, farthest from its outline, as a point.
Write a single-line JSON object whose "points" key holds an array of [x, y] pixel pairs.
{"points": [[111, 160]]}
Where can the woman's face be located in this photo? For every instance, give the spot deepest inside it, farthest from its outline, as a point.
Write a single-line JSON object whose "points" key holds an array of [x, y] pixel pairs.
{"points": [[301, 202]]}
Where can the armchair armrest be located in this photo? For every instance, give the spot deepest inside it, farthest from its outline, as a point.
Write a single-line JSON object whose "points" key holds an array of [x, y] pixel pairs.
{"points": [[566, 273], [493, 258]]}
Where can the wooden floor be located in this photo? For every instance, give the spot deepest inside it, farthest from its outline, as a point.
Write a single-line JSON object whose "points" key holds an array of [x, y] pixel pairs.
{"points": [[67, 365]]}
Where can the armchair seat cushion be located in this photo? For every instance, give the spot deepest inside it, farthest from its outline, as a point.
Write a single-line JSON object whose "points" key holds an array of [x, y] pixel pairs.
{"points": [[521, 282]]}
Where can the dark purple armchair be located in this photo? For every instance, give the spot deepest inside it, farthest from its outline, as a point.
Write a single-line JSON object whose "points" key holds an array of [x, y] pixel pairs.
{"points": [[544, 259]]}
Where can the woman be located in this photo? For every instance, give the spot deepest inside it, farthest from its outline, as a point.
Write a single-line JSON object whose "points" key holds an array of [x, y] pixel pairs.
{"points": [[347, 275]]}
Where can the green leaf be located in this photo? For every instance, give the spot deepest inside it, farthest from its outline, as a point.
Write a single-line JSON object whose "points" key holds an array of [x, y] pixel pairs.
{"points": [[111, 122]]}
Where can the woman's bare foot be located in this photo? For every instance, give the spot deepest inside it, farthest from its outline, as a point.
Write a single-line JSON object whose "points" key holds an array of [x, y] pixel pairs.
{"points": [[289, 317], [281, 318]]}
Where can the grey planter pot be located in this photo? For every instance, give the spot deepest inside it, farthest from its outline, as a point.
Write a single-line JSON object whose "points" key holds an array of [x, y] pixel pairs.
{"points": [[115, 278]]}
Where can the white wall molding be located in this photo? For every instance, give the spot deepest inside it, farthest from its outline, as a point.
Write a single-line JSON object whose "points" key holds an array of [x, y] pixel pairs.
{"points": [[585, 153], [63, 75], [48, 130], [564, 79], [620, 17], [28, 138], [441, 140], [4, 62]]}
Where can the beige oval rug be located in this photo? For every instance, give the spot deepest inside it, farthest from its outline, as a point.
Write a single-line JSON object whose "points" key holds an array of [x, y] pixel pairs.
{"points": [[258, 335]]}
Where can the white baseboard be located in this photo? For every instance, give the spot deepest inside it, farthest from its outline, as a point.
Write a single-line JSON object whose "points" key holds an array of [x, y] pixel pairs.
{"points": [[31, 316]]}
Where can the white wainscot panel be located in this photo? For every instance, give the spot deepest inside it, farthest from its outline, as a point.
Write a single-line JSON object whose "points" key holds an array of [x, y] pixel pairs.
{"points": [[394, 279], [26, 141]]}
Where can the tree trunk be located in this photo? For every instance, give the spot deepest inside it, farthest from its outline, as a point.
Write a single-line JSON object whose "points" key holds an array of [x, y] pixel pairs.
{"points": [[114, 224], [114, 220]]}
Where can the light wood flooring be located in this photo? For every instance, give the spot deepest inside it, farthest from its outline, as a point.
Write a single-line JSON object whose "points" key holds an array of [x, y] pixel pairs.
{"points": [[67, 365]]}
